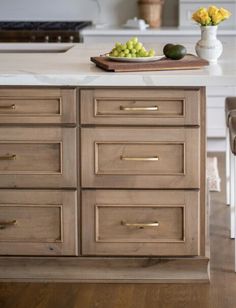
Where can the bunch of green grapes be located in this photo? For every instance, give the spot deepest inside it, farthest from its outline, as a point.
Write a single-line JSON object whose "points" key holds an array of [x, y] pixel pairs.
{"points": [[131, 49]]}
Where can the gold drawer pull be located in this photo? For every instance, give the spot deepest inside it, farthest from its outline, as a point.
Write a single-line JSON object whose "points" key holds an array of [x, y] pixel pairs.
{"points": [[154, 158], [8, 157], [8, 107], [153, 108], [5, 224], [140, 225]]}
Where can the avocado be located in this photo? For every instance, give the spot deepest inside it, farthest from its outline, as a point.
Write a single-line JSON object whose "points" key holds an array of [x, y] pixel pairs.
{"points": [[167, 47], [174, 52]]}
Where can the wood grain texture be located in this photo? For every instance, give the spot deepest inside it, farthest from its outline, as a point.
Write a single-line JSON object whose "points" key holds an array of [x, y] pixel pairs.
{"points": [[188, 62], [204, 199], [30, 157], [176, 168], [90, 269], [37, 106], [46, 222], [45, 157], [103, 149], [106, 106], [176, 212], [220, 293]]}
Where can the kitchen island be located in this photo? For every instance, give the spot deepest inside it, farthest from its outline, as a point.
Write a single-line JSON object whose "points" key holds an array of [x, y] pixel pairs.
{"points": [[103, 175]]}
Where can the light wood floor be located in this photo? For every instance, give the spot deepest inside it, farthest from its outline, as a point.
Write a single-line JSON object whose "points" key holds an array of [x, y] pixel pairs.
{"points": [[220, 293]]}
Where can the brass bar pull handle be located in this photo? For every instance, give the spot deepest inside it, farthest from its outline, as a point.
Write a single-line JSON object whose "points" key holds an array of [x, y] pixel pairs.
{"points": [[153, 158], [5, 224], [141, 225], [8, 107], [8, 157], [152, 108]]}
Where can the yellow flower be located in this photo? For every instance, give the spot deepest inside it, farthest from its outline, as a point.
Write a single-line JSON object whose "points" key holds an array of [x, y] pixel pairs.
{"points": [[201, 16], [211, 16], [217, 18], [196, 17], [212, 10], [225, 13]]}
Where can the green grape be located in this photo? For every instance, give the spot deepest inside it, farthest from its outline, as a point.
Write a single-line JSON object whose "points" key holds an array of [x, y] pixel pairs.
{"points": [[139, 46], [115, 53], [124, 46], [143, 53], [151, 52], [130, 45], [131, 49], [112, 51], [134, 40]]}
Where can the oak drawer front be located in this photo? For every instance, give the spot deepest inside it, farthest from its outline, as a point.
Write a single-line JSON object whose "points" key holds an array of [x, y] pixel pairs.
{"points": [[53, 106], [38, 222], [140, 107], [37, 157], [140, 222], [140, 158]]}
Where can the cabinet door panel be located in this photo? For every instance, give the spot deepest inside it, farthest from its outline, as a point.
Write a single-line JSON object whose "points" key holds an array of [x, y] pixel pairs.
{"points": [[140, 157], [38, 222], [140, 107], [44, 105], [116, 222], [37, 157]]}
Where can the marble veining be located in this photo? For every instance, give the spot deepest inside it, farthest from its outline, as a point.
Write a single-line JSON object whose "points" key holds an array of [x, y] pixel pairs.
{"points": [[73, 68]]}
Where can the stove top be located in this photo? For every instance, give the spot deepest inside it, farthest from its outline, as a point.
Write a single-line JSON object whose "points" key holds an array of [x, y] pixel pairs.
{"points": [[41, 31], [44, 25]]}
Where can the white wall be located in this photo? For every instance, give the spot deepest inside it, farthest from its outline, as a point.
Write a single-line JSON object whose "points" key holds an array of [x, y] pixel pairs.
{"points": [[113, 11]]}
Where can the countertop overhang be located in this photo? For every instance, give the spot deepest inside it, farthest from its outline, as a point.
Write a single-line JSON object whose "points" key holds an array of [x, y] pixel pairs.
{"points": [[73, 68]]}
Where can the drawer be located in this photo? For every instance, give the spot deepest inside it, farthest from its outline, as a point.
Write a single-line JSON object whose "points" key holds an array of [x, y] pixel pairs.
{"points": [[37, 157], [160, 223], [140, 107], [38, 222], [52, 106], [140, 157]]}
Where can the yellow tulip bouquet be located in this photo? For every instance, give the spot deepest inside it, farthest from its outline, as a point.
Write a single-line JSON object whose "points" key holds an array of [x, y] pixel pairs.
{"points": [[211, 16]]}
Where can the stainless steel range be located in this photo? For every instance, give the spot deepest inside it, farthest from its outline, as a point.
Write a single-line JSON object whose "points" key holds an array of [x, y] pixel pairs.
{"points": [[55, 31]]}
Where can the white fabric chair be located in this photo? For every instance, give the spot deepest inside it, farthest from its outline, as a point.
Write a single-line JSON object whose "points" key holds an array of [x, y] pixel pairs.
{"points": [[232, 142], [230, 112]]}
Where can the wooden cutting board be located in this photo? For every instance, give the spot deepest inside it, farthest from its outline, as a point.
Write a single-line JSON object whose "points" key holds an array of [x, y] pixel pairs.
{"points": [[189, 62]]}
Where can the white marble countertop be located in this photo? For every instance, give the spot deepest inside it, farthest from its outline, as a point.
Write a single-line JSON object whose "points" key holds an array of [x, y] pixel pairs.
{"points": [[168, 31], [73, 68]]}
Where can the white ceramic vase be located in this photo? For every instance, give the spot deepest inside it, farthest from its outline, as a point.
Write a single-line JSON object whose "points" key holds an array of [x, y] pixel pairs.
{"points": [[209, 47]]}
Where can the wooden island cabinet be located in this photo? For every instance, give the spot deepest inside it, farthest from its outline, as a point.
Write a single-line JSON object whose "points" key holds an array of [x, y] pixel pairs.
{"points": [[103, 184]]}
